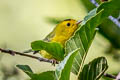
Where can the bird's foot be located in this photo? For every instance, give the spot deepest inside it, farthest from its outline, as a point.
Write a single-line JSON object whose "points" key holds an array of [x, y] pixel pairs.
{"points": [[54, 62]]}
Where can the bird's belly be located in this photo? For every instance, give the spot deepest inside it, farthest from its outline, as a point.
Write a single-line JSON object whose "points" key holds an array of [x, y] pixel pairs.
{"points": [[45, 54]]}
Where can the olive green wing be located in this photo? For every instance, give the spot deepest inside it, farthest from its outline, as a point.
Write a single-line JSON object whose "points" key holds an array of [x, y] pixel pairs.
{"points": [[49, 36]]}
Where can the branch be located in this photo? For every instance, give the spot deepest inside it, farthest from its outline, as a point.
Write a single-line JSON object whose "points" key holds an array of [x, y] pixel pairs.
{"points": [[11, 52], [110, 76]]}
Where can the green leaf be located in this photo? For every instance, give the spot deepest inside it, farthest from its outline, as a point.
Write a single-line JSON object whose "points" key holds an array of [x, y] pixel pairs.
{"points": [[53, 48], [109, 7], [84, 35], [63, 69], [82, 39], [94, 70], [48, 75], [25, 68], [42, 76], [108, 29]]}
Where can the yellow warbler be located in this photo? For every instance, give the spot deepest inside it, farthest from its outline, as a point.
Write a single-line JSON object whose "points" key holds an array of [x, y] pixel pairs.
{"points": [[61, 33]]}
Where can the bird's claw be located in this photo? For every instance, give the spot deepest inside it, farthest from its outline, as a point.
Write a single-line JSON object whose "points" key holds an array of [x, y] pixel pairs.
{"points": [[54, 62]]}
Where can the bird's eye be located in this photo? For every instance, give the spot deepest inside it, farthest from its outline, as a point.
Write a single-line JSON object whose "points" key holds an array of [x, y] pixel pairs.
{"points": [[68, 24]]}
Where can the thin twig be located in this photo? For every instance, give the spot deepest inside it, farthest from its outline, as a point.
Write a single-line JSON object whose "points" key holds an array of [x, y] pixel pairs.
{"points": [[11, 52], [109, 76]]}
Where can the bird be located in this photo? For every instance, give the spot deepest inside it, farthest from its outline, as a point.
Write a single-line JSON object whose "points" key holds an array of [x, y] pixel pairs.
{"points": [[60, 34]]}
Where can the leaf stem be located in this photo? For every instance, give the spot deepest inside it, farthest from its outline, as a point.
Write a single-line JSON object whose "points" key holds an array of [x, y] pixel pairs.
{"points": [[11, 52]]}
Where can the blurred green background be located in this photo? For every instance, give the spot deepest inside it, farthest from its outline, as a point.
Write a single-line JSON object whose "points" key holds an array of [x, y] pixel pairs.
{"points": [[24, 21]]}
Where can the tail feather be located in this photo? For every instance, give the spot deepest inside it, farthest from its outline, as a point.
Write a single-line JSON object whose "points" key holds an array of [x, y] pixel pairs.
{"points": [[28, 51]]}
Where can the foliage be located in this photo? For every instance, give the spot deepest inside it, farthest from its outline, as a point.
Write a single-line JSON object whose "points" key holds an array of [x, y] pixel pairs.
{"points": [[33, 76], [108, 28], [65, 66], [55, 49], [84, 36], [97, 67], [76, 49]]}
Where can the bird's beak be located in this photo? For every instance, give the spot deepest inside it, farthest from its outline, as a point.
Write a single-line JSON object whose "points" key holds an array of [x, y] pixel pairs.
{"points": [[78, 22]]}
